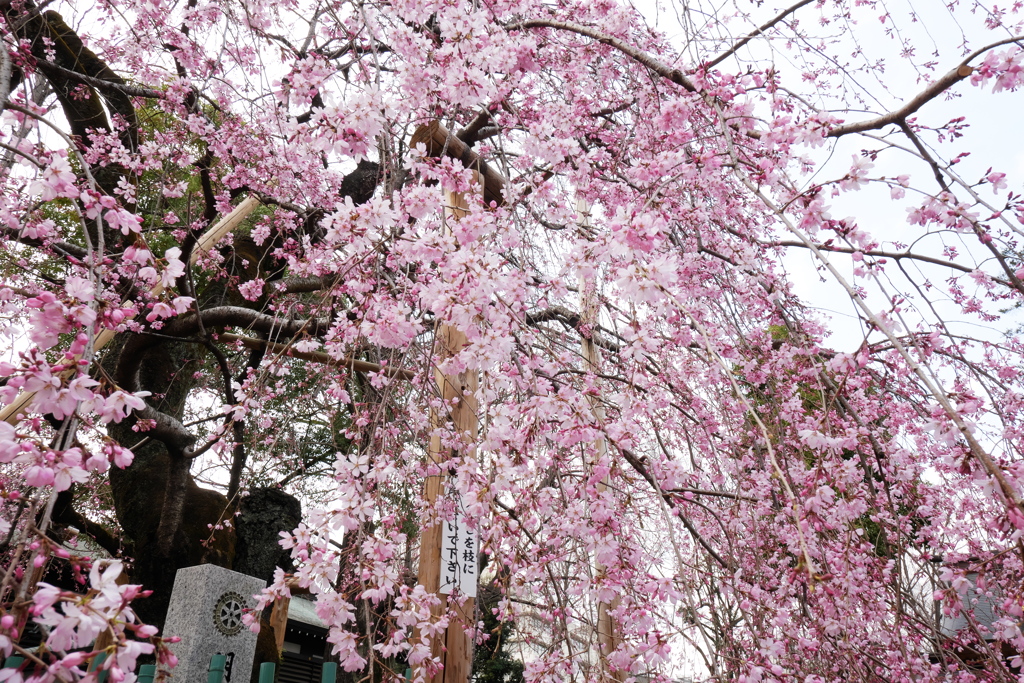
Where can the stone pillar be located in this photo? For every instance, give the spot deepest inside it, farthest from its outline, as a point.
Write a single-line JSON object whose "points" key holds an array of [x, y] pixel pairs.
{"points": [[206, 613]]}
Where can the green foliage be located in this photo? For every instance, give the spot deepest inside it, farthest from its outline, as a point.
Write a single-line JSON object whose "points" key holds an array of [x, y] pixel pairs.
{"points": [[875, 534], [492, 662]]}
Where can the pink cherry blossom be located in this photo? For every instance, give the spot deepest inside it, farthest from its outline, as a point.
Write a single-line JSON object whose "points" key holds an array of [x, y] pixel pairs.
{"points": [[703, 322]]}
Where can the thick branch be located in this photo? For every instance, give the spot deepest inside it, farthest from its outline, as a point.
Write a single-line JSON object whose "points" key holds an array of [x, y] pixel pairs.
{"points": [[318, 357], [559, 313], [165, 429], [206, 182], [64, 513], [187, 325], [77, 58], [236, 316], [878, 253], [663, 70], [62, 248], [103, 85], [898, 116], [303, 285], [174, 504], [716, 494], [572, 321], [470, 134]]}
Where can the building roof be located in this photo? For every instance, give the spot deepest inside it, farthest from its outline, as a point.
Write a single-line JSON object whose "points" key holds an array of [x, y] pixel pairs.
{"points": [[301, 609]]}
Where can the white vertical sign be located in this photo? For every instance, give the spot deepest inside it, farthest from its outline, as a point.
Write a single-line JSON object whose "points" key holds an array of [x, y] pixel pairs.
{"points": [[459, 562]]}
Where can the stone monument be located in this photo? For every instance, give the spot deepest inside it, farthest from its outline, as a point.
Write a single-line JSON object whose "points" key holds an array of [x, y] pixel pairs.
{"points": [[206, 613]]}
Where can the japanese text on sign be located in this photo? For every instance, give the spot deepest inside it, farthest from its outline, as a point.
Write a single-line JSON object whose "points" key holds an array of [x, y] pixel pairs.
{"points": [[458, 556]]}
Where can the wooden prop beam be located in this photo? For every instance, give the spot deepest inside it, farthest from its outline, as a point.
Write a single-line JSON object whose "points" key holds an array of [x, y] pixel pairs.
{"points": [[454, 648], [14, 412], [439, 141]]}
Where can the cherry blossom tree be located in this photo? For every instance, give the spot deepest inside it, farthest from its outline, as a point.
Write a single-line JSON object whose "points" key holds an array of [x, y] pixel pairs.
{"points": [[231, 261]]}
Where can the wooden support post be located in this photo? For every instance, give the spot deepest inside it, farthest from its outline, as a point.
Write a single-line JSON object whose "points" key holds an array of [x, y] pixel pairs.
{"points": [[454, 648], [607, 639], [279, 621]]}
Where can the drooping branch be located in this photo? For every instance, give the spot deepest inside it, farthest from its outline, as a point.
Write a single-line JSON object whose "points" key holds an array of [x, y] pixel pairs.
{"points": [[660, 68], [754, 34], [638, 464]]}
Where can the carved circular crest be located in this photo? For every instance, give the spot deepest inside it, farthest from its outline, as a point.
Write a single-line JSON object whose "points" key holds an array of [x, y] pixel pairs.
{"points": [[227, 613]]}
